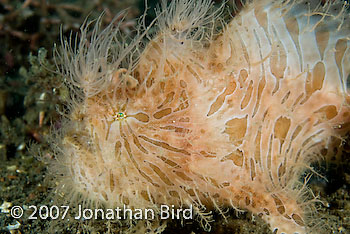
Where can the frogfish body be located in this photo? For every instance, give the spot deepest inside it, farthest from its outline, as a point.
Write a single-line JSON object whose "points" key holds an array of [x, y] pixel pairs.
{"points": [[208, 118]]}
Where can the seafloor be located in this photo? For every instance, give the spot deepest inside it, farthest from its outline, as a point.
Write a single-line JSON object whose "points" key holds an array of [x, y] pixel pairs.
{"points": [[31, 95]]}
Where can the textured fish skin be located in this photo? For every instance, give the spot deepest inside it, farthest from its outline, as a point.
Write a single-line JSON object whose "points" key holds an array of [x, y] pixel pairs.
{"points": [[232, 119]]}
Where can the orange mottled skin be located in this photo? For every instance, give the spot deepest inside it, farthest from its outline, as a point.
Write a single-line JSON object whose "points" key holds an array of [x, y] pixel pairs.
{"points": [[230, 121]]}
